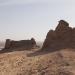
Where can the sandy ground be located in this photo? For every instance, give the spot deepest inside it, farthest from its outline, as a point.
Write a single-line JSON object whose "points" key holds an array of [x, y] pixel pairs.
{"points": [[38, 63]]}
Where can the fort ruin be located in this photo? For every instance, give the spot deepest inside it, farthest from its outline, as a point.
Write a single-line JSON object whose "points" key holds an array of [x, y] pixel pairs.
{"points": [[26, 44]]}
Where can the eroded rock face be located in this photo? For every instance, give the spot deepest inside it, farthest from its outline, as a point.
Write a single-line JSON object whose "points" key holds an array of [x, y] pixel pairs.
{"points": [[26, 44], [7, 44], [62, 37]]}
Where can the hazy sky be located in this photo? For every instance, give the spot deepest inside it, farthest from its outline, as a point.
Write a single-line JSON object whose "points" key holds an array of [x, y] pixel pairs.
{"points": [[23, 19]]}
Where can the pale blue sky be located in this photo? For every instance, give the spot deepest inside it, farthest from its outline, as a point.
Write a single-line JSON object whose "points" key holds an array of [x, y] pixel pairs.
{"points": [[23, 19]]}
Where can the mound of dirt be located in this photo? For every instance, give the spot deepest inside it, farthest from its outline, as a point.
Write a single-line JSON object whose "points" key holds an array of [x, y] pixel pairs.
{"points": [[60, 38], [56, 63]]}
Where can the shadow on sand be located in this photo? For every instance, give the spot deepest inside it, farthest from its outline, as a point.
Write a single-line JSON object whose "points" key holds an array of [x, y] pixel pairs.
{"points": [[38, 52], [13, 50], [46, 51]]}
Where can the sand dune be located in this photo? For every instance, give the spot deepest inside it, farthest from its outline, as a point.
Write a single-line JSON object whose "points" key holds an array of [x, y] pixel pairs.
{"points": [[55, 63]]}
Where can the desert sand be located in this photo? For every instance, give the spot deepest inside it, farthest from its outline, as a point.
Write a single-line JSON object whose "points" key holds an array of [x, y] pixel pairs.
{"points": [[38, 63]]}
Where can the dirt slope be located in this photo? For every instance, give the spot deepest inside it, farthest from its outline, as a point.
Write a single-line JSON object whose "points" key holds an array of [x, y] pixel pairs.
{"points": [[55, 63]]}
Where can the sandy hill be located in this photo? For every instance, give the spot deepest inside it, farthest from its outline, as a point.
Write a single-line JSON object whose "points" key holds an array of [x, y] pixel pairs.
{"points": [[38, 63]]}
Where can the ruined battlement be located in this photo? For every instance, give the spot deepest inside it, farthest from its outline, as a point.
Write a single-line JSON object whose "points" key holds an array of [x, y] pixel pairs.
{"points": [[62, 37], [27, 44]]}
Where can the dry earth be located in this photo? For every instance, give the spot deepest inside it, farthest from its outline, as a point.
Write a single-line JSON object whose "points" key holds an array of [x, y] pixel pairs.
{"points": [[38, 63]]}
